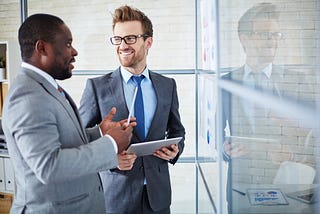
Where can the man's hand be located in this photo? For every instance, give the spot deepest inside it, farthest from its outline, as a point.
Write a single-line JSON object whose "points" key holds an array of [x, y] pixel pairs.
{"points": [[120, 131], [125, 161], [122, 136], [234, 150], [167, 153], [107, 123]]}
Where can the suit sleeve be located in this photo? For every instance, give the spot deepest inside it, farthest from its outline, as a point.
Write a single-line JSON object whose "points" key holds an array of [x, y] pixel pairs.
{"points": [[175, 127], [49, 143], [89, 108], [93, 133]]}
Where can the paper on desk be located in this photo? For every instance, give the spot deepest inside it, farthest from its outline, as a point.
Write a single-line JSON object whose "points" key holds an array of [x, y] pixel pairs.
{"points": [[266, 197]]}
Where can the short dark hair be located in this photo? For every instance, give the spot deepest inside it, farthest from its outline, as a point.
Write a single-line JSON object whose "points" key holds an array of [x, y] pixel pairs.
{"points": [[37, 27], [126, 13], [259, 11]]}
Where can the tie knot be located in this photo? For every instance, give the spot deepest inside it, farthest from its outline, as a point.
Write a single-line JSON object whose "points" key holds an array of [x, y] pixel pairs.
{"points": [[137, 79], [60, 89]]}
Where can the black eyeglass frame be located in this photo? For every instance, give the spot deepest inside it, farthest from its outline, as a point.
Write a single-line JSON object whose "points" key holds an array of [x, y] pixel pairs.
{"points": [[268, 35], [135, 37]]}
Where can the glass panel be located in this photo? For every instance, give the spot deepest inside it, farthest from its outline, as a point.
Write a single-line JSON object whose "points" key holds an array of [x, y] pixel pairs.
{"points": [[206, 194], [186, 96], [268, 55], [183, 188], [210, 199]]}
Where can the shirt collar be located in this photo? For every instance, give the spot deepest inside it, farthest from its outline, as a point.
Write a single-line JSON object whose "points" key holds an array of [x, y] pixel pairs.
{"points": [[267, 70], [127, 75], [41, 73]]}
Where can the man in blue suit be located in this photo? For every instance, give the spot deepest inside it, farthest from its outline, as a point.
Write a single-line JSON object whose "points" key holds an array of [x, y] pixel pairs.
{"points": [[145, 186]]}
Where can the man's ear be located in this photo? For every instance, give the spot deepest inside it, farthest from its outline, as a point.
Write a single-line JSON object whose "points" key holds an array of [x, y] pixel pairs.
{"points": [[149, 42], [243, 40], [41, 47]]}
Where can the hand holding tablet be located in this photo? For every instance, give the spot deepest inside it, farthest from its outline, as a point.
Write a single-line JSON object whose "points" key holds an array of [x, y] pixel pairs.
{"points": [[148, 148]]}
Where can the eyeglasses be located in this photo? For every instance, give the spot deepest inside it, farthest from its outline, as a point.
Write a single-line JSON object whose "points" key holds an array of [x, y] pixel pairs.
{"points": [[129, 40], [269, 35]]}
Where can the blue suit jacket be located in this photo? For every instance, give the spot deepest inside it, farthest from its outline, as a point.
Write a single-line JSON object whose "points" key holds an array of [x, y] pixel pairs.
{"points": [[123, 189]]}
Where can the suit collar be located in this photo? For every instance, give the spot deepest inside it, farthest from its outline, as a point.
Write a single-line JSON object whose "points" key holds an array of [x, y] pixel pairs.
{"points": [[276, 73], [42, 73], [115, 87], [267, 70], [126, 75], [161, 91], [50, 89]]}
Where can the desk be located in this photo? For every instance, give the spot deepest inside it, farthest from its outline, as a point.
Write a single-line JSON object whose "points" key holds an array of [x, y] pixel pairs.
{"points": [[241, 204]]}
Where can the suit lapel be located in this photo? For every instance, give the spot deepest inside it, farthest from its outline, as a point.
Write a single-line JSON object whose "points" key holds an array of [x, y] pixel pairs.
{"points": [[70, 107], [161, 92], [115, 89]]}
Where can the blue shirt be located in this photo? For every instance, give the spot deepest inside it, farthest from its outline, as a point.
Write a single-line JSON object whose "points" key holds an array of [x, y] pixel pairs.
{"points": [[148, 94]]}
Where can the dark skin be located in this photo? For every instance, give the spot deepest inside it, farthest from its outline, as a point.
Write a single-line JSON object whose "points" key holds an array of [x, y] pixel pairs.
{"points": [[56, 58]]}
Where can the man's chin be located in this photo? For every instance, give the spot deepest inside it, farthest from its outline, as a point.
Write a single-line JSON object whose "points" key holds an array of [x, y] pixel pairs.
{"points": [[65, 75], [125, 62]]}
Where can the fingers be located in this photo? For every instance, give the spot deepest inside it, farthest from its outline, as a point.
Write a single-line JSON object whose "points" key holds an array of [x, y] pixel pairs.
{"points": [[111, 114], [131, 124], [124, 123], [128, 131], [126, 161], [234, 150], [167, 153]]}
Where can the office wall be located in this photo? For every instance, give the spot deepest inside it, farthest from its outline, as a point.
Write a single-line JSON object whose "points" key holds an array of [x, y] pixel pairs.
{"points": [[9, 19], [90, 23]]}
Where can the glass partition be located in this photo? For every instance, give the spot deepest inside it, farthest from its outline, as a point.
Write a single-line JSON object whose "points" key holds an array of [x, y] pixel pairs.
{"points": [[269, 84]]}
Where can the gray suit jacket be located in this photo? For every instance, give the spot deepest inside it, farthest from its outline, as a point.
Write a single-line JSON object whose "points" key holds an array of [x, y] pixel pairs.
{"points": [[56, 169], [123, 189]]}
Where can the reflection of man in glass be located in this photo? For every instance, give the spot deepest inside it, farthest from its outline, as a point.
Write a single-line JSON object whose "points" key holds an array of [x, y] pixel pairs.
{"points": [[259, 34], [262, 140]]}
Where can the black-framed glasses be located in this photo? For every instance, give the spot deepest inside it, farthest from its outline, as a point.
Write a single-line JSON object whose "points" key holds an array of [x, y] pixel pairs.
{"points": [[268, 35], [129, 40]]}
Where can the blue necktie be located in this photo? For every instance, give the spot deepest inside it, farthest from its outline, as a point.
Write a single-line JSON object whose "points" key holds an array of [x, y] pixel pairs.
{"points": [[139, 108]]}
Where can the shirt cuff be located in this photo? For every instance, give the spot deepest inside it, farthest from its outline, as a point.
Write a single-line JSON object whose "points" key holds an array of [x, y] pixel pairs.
{"points": [[115, 146]]}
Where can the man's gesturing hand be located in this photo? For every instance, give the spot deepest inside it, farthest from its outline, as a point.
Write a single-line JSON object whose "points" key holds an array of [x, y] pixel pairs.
{"points": [[120, 131], [122, 136]]}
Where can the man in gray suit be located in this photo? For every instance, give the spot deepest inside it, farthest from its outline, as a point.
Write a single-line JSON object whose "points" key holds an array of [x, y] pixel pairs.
{"points": [[56, 161], [145, 187]]}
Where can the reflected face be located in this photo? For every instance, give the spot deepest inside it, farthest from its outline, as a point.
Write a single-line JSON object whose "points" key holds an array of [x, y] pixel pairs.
{"points": [[133, 56], [261, 45], [62, 55]]}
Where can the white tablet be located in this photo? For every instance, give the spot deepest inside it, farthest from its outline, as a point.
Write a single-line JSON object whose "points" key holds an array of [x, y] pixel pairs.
{"points": [[148, 148]]}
